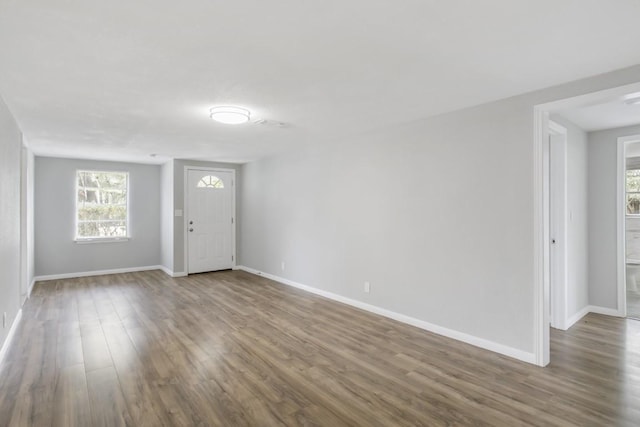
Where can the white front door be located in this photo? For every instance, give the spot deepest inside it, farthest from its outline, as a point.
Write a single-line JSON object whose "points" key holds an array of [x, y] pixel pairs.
{"points": [[209, 220]]}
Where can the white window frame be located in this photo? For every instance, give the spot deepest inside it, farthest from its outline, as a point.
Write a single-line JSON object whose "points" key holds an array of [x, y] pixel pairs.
{"points": [[84, 240]]}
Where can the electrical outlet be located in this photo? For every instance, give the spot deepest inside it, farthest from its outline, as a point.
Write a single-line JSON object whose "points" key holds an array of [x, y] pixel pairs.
{"points": [[282, 266], [367, 287]]}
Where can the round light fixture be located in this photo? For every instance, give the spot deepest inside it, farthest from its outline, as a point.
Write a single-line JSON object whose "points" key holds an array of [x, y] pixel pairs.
{"points": [[230, 115]]}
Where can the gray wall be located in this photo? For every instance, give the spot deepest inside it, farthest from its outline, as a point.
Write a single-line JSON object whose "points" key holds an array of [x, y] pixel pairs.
{"points": [[577, 224], [10, 250], [431, 214], [55, 249], [436, 214], [26, 223], [178, 203], [603, 290], [166, 215]]}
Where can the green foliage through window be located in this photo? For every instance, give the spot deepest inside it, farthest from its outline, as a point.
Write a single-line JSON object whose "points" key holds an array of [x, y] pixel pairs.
{"points": [[101, 204], [633, 191]]}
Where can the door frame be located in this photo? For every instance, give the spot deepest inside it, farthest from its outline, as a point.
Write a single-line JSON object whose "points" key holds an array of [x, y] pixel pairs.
{"points": [[185, 224], [558, 284], [541, 244], [621, 223]]}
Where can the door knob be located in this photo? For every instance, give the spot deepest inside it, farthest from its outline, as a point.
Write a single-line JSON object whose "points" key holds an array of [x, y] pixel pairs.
{"points": [[191, 229]]}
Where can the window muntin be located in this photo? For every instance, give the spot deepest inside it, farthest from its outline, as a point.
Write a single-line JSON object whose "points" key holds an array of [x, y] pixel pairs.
{"points": [[633, 191], [210, 181], [101, 205]]}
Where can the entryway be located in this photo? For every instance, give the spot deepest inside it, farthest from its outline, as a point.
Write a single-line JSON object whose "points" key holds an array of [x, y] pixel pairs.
{"points": [[588, 273], [631, 151], [210, 219]]}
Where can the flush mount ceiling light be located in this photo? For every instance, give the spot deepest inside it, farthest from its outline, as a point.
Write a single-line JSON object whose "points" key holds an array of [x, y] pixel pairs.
{"points": [[230, 115]]}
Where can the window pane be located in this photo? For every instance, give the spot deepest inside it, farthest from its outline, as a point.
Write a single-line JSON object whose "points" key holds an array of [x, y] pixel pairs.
{"points": [[91, 211], [633, 180], [101, 204], [210, 181], [633, 203], [102, 229]]}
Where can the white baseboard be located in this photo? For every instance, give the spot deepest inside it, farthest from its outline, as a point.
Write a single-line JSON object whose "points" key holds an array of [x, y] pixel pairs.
{"points": [[172, 273], [12, 331], [605, 310], [576, 317], [33, 282], [590, 309], [96, 273], [450, 333]]}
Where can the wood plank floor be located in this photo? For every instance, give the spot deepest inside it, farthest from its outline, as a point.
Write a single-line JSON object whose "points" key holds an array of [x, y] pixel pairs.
{"points": [[233, 349]]}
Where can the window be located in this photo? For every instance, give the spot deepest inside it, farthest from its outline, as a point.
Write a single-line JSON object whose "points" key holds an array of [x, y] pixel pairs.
{"points": [[101, 205], [633, 191], [210, 181]]}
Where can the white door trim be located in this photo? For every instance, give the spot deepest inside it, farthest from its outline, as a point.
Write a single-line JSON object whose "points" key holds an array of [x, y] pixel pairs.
{"points": [[541, 236], [186, 212], [558, 228], [621, 222]]}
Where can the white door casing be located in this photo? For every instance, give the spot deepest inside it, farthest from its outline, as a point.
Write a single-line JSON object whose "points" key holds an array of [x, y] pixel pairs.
{"points": [[209, 220]]}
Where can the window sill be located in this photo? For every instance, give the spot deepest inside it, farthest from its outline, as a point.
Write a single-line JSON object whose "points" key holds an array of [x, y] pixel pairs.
{"points": [[102, 240]]}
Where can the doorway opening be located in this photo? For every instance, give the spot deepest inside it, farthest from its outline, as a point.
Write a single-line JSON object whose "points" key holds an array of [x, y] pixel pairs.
{"points": [[629, 218], [558, 239], [553, 306]]}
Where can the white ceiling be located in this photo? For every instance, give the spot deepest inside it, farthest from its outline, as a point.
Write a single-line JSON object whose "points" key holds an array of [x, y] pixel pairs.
{"points": [[608, 114], [123, 79]]}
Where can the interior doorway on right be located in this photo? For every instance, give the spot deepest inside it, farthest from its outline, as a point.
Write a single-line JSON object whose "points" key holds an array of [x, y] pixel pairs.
{"points": [[632, 228]]}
